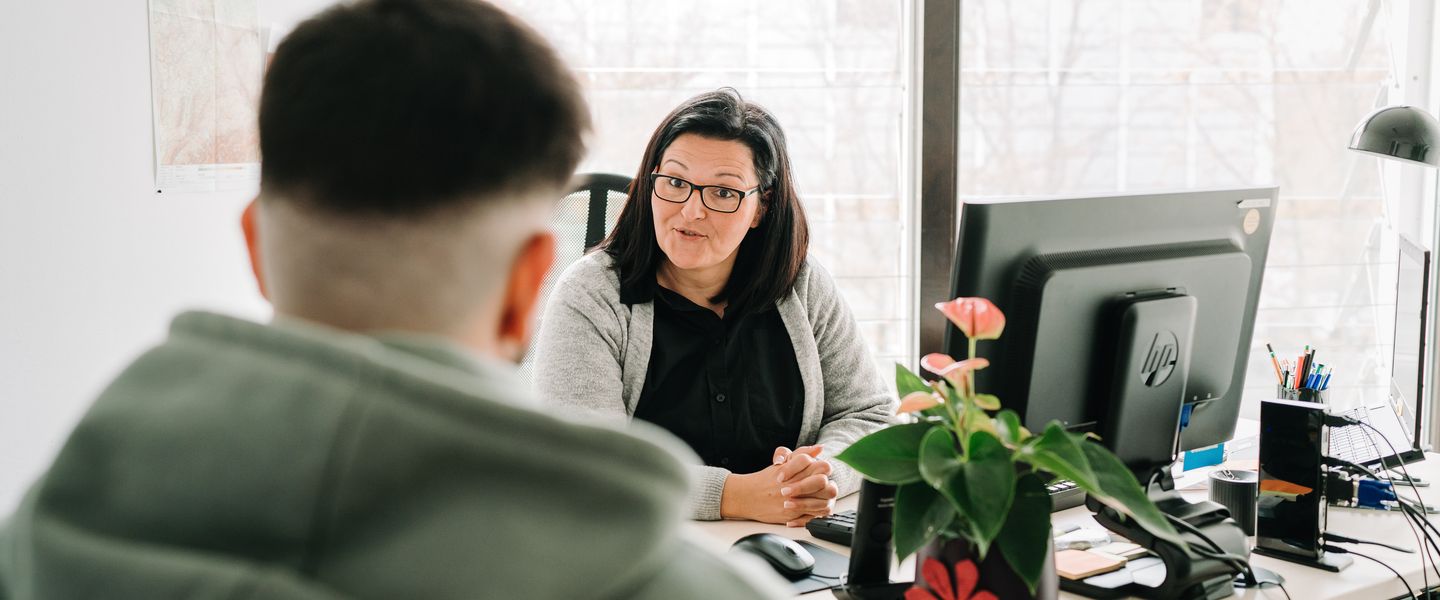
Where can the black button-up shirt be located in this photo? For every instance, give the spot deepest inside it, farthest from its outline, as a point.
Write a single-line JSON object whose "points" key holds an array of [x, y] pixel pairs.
{"points": [[729, 387]]}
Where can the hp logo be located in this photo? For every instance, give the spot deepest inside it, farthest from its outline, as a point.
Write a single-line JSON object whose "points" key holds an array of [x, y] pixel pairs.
{"points": [[1160, 360]]}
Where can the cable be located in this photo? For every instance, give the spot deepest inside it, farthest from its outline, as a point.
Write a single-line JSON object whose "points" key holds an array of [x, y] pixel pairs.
{"points": [[1425, 526], [1339, 550], [1239, 563], [1345, 464], [1398, 459], [1236, 562], [1335, 537], [1425, 575]]}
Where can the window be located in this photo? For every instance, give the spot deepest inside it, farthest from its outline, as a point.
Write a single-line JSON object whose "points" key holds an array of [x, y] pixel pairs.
{"points": [[835, 73], [1070, 97]]}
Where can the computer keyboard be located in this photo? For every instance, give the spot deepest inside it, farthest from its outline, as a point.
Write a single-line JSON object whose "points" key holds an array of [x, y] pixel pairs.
{"points": [[835, 528], [1350, 442], [839, 527]]}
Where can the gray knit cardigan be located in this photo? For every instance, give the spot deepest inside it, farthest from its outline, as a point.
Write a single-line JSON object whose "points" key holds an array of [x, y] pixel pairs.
{"points": [[592, 352]]}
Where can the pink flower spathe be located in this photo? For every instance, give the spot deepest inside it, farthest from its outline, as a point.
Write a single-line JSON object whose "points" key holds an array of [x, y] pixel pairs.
{"points": [[952, 370], [917, 401], [977, 318]]}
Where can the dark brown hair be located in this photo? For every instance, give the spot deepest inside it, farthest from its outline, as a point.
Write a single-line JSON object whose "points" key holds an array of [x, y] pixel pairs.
{"points": [[770, 256], [403, 107]]}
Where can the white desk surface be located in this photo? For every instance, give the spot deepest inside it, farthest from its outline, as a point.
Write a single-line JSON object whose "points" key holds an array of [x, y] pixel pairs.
{"points": [[1363, 580]]}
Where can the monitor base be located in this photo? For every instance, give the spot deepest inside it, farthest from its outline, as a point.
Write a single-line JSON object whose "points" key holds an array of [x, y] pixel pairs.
{"points": [[1333, 563]]}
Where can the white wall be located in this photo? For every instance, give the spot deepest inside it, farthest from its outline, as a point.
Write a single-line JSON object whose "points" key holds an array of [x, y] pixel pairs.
{"points": [[93, 263]]}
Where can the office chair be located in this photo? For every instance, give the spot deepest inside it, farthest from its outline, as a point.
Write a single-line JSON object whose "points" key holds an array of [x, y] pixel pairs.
{"points": [[581, 221], [602, 195]]}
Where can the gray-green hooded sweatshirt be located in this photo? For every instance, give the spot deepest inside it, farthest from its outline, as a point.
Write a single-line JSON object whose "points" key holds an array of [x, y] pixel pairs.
{"points": [[239, 460]]}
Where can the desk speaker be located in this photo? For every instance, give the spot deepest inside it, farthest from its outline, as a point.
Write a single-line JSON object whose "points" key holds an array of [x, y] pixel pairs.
{"points": [[1236, 490]]}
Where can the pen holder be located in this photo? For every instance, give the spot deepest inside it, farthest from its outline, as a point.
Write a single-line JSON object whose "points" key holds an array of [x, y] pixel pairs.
{"points": [[1302, 395]]}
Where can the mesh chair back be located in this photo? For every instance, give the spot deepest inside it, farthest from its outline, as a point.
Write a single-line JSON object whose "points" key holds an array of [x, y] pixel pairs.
{"points": [[581, 222]]}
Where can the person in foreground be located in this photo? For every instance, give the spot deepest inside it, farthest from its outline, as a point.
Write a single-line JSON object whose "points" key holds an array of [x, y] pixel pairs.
{"points": [[701, 313], [372, 441]]}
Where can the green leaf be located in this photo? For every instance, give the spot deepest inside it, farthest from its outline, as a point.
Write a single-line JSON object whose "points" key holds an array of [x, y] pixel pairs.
{"points": [[1008, 427], [938, 456], [987, 401], [1025, 539], [1059, 453], [921, 513], [1118, 489], [986, 488], [976, 420], [890, 455], [907, 382]]}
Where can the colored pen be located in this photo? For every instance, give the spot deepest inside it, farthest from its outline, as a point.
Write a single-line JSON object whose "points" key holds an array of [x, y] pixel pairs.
{"points": [[1276, 363]]}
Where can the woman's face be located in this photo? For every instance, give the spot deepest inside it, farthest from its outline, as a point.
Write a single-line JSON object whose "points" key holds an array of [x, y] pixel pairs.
{"points": [[692, 236]]}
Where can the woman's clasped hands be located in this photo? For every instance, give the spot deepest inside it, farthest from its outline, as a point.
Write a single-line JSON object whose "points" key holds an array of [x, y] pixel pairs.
{"points": [[792, 490]]}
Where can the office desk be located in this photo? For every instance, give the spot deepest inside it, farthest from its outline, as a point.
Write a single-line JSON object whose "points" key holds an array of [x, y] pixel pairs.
{"points": [[1363, 580]]}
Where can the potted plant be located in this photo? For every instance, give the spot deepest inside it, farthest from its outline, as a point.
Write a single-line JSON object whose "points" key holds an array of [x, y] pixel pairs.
{"points": [[970, 494]]}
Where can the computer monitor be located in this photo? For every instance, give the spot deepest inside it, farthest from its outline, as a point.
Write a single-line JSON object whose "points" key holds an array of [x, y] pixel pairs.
{"points": [[1412, 277], [1129, 315]]}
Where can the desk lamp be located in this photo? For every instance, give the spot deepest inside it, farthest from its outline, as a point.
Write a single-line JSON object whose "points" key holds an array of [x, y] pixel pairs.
{"points": [[1405, 133]]}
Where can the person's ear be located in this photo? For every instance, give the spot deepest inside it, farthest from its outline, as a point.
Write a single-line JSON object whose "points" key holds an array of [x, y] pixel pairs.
{"points": [[252, 243], [760, 212], [522, 293]]}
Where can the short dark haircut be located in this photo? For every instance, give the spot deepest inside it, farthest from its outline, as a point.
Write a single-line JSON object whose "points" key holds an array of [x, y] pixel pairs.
{"points": [[771, 255], [402, 107]]}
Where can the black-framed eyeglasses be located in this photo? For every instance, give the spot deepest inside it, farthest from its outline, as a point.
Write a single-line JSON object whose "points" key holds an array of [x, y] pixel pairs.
{"points": [[715, 197]]}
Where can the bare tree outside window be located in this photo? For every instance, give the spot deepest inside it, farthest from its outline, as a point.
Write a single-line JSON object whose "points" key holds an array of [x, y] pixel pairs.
{"points": [[1058, 97], [834, 74], [1073, 97]]}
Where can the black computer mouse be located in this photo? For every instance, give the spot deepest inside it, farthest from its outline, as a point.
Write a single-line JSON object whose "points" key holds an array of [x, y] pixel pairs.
{"points": [[785, 555]]}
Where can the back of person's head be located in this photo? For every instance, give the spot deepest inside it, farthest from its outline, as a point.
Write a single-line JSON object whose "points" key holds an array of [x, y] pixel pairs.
{"points": [[411, 150]]}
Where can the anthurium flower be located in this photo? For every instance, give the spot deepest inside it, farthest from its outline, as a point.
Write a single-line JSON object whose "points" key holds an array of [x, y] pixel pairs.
{"points": [[916, 402], [967, 577], [977, 318], [952, 370]]}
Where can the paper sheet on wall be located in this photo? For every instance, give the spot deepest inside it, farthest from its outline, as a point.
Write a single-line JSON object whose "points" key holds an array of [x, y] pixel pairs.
{"points": [[206, 62]]}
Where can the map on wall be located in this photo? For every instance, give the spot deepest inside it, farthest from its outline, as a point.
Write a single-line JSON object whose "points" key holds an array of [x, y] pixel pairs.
{"points": [[206, 62]]}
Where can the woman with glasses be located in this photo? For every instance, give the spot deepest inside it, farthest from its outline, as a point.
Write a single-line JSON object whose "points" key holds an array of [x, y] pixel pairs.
{"points": [[701, 313]]}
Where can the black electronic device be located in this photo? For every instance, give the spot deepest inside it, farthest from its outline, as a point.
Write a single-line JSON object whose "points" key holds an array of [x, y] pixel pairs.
{"points": [[1065, 271], [1290, 510], [783, 554], [840, 527], [872, 547], [1130, 316]]}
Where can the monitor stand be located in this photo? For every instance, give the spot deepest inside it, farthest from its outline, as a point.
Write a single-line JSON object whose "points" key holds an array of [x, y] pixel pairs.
{"points": [[1328, 561]]}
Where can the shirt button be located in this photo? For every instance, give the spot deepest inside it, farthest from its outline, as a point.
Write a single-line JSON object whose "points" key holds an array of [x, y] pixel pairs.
{"points": [[718, 341], [719, 397], [725, 461]]}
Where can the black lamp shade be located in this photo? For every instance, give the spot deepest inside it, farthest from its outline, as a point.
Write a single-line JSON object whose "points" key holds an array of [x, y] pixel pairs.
{"points": [[1405, 133]]}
